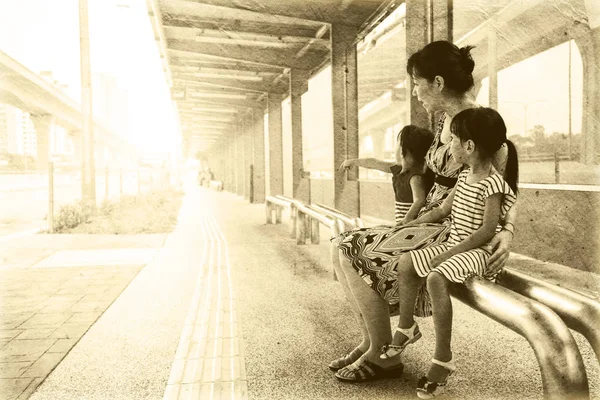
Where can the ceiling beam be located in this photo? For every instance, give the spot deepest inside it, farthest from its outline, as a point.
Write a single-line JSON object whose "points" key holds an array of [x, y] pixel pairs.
{"points": [[179, 60], [285, 59], [355, 13], [236, 103], [275, 29], [259, 87]]}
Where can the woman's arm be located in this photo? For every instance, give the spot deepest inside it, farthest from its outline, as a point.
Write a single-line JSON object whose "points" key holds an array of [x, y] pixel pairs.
{"points": [[370, 163], [501, 243], [419, 194], [491, 216], [438, 213]]}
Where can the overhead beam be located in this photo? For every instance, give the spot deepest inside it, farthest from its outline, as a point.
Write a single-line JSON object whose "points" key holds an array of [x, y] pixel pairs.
{"points": [[236, 25], [231, 65], [228, 83], [219, 35], [278, 57], [355, 14]]}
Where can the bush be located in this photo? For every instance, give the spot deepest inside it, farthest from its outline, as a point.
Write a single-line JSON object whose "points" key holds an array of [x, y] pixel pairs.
{"points": [[72, 215]]}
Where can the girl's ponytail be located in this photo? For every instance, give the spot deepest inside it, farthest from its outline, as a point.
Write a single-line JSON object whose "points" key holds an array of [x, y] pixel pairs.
{"points": [[511, 174]]}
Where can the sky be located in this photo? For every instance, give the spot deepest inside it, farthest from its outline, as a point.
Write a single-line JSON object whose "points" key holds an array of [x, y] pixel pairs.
{"points": [[43, 35]]}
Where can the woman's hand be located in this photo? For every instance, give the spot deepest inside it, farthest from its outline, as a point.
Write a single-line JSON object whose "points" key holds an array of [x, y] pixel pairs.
{"points": [[500, 246]]}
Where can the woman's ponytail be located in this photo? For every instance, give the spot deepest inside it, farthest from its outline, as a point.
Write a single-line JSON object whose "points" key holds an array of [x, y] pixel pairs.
{"points": [[511, 174]]}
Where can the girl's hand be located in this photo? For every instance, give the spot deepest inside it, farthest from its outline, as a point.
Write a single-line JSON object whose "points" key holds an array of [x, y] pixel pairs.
{"points": [[347, 164], [437, 260], [500, 246]]}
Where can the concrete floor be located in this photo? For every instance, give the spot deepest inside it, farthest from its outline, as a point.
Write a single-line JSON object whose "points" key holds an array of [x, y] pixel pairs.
{"points": [[290, 320]]}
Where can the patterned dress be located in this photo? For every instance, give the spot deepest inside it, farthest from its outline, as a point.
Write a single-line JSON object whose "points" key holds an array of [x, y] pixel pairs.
{"points": [[468, 207], [374, 252]]}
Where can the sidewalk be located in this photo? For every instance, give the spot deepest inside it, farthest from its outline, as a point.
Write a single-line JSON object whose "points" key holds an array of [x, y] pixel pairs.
{"points": [[225, 307]]}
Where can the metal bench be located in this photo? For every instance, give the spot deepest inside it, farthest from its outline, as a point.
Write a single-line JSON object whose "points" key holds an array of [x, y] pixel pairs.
{"points": [[540, 312]]}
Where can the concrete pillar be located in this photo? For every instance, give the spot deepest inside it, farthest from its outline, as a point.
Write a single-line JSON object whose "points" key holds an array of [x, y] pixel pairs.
{"points": [[493, 64], [44, 126], [249, 149], [258, 133], [239, 158], [344, 90], [442, 19], [298, 86], [275, 145], [589, 47], [416, 39], [230, 187]]}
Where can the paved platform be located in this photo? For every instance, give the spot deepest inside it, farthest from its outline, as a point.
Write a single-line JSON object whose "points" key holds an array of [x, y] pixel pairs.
{"points": [[226, 307]]}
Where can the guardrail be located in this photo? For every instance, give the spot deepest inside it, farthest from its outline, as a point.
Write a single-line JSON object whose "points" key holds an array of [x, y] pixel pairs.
{"points": [[216, 185], [523, 304], [276, 206], [579, 312], [561, 365]]}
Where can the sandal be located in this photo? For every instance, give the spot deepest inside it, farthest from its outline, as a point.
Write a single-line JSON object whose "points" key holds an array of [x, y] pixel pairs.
{"points": [[412, 335], [368, 371], [427, 389], [346, 360]]}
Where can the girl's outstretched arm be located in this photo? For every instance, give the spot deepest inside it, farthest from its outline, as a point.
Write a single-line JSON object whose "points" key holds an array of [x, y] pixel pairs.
{"points": [[370, 163], [491, 217], [419, 194]]}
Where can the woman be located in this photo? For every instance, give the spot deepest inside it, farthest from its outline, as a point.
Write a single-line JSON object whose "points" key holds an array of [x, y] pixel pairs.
{"points": [[442, 79]]}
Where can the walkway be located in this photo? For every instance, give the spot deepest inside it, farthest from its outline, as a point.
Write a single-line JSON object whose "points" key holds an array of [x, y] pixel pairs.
{"points": [[231, 308]]}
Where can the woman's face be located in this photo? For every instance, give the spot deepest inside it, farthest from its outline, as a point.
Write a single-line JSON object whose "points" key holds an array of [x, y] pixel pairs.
{"points": [[398, 152], [426, 94]]}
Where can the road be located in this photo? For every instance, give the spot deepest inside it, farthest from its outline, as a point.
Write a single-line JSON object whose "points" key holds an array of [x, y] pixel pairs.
{"points": [[24, 199]]}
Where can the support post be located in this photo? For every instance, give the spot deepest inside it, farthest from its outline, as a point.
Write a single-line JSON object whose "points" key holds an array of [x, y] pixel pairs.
{"points": [[88, 180], [298, 86], [43, 131], [493, 64], [344, 90], [50, 197], [275, 145], [416, 39], [259, 156]]}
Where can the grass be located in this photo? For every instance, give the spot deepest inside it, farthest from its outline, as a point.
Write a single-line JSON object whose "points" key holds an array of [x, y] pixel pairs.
{"points": [[154, 212]]}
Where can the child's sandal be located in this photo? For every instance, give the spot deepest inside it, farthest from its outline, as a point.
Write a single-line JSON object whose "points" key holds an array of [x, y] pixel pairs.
{"points": [[427, 389], [391, 350]]}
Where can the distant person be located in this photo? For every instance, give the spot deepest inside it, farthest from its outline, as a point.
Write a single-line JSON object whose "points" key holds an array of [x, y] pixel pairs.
{"points": [[477, 204], [410, 182]]}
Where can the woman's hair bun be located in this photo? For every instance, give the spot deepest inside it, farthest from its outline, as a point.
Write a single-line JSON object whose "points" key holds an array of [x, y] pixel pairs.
{"points": [[467, 60]]}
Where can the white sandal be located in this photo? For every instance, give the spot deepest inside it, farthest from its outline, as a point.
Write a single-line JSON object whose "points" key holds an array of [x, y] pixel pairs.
{"points": [[427, 389], [391, 350]]}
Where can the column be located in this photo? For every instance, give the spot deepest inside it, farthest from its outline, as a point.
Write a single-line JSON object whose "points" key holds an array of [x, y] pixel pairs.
{"points": [[344, 90], [589, 46], [258, 134], [493, 63], [231, 161], [43, 130], [298, 86], [416, 39], [275, 145], [239, 157]]}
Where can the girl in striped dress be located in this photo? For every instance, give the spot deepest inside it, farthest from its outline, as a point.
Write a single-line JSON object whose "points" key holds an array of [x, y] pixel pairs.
{"points": [[477, 204], [410, 183]]}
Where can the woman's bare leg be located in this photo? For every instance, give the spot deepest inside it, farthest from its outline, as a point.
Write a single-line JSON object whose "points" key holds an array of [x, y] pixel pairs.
{"points": [[336, 259], [375, 314]]}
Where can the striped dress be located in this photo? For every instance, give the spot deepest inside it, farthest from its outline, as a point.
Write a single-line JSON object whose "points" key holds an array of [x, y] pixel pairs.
{"points": [[466, 217]]}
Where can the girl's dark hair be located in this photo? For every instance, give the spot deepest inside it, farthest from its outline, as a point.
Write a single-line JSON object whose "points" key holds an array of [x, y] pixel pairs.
{"points": [[445, 59], [486, 128], [415, 140]]}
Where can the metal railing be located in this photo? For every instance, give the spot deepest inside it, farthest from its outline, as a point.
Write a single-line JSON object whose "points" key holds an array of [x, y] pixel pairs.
{"points": [[526, 305]]}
